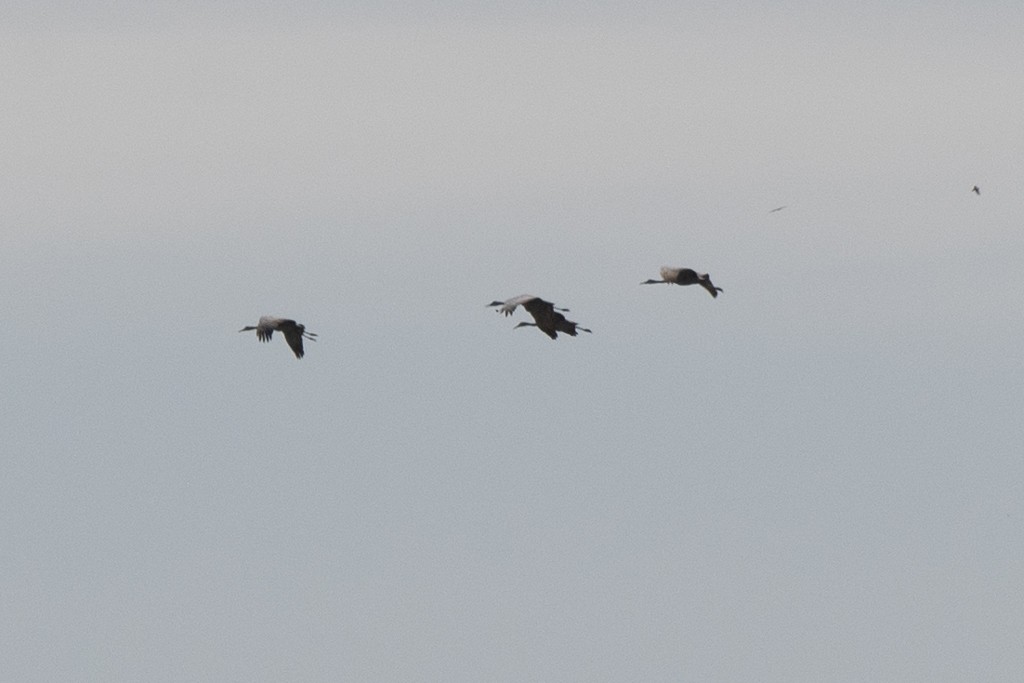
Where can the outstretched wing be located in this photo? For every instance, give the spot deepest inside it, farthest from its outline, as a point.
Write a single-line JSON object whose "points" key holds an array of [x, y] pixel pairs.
{"points": [[705, 282], [537, 306], [550, 331], [544, 314], [265, 327], [293, 335]]}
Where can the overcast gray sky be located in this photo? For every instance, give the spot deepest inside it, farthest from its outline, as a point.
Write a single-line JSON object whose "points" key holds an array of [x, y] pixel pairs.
{"points": [[815, 476]]}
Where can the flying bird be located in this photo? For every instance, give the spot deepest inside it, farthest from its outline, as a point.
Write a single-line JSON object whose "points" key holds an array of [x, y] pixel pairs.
{"points": [[293, 332], [509, 306], [685, 276], [778, 208], [548, 317], [976, 190]]}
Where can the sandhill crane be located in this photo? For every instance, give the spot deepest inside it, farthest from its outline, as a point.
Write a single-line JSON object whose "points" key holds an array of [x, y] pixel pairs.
{"points": [[976, 190], [684, 276], [509, 306], [293, 332], [548, 317]]}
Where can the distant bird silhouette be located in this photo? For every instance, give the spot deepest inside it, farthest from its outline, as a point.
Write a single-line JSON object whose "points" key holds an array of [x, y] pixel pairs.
{"points": [[509, 306], [546, 315], [778, 208], [685, 276], [293, 332], [976, 190]]}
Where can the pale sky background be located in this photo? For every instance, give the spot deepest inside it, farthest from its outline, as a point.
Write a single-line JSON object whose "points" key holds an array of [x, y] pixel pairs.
{"points": [[818, 476]]}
